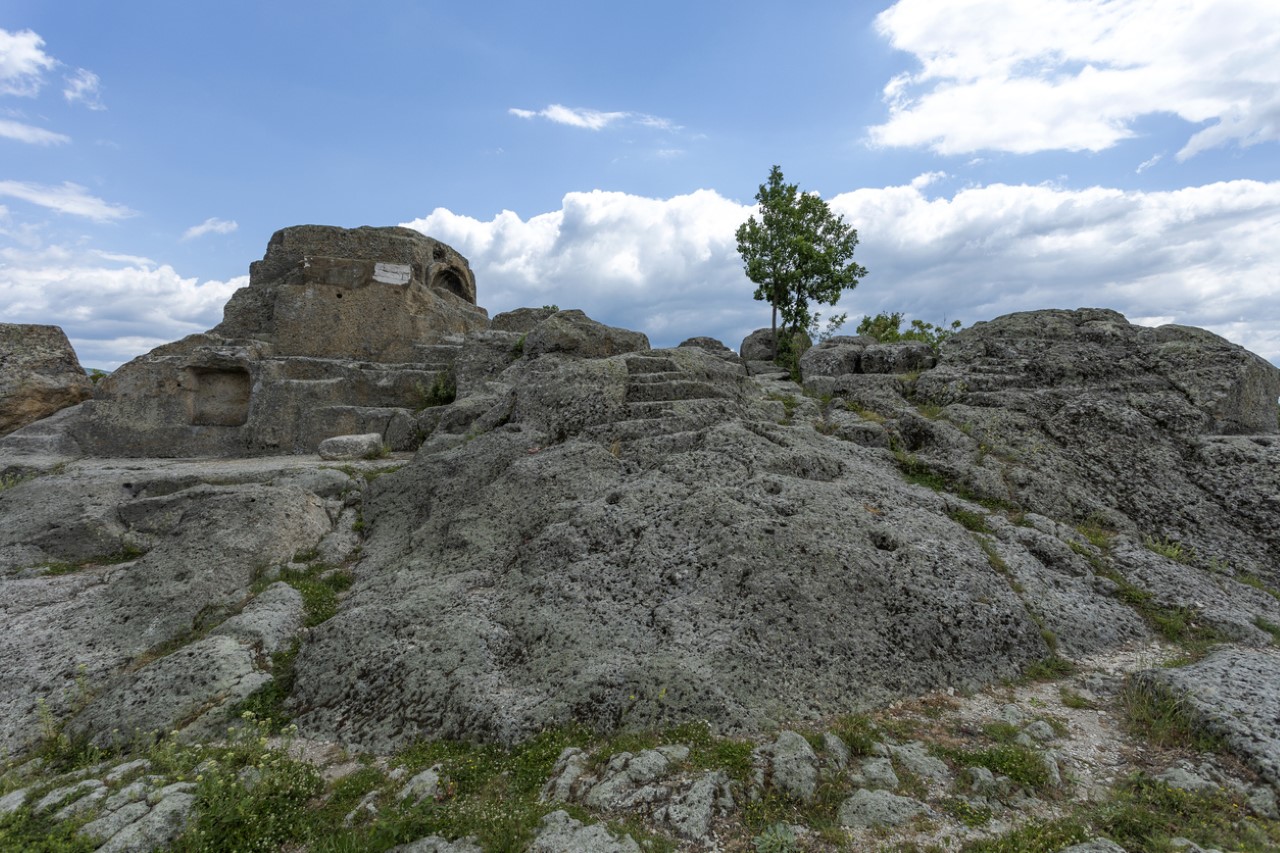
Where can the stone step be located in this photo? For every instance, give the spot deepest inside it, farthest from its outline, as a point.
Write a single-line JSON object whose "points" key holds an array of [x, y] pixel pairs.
{"points": [[708, 408], [655, 378], [675, 389], [641, 364]]}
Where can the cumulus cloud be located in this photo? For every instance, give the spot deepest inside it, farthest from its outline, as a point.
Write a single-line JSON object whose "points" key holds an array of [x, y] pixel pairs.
{"points": [[591, 119], [112, 307], [1035, 75], [68, 198], [30, 134], [212, 225], [84, 87], [1202, 256], [23, 63]]}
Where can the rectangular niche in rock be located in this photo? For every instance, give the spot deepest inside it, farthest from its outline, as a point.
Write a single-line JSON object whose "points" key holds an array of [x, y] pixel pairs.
{"points": [[219, 396]]}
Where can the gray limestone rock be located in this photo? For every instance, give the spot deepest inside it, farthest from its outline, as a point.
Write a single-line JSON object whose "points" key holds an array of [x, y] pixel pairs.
{"points": [[757, 346], [559, 833], [39, 374], [875, 773], [113, 821], [13, 801], [425, 785], [897, 357], [689, 814], [1234, 693], [834, 357], [364, 446], [569, 768], [836, 750], [154, 830], [270, 621], [788, 765], [574, 333], [192, 686], [915, 757], [626, 773], [711, 345], [878, 808]]}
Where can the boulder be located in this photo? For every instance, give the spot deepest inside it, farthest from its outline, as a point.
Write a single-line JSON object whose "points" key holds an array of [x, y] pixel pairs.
{"points": [[757, 346], [574, 333], [897, 357], [878, 808], [39, 374], [709, 344], [833, 357], [364, 446]]}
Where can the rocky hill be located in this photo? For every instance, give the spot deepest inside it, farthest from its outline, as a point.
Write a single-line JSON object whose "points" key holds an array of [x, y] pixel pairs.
{"points": [[915, 598]]}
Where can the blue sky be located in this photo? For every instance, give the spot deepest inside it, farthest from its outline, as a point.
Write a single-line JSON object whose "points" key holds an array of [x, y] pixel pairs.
{"points": [[995, 155]]}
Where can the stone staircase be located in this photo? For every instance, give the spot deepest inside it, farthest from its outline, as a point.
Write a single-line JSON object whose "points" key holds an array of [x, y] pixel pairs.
{"points": [[666, 408]]}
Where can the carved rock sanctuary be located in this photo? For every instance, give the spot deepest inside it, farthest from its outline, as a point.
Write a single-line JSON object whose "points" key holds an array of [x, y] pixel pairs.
{"points": [[903, 596]]}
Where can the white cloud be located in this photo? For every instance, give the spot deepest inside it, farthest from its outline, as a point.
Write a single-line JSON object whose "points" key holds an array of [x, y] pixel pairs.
{"points": [[84, 87], [1035, 75], [68, 198], [212, 225], [592, 119], [669, 267], [111, 311], [1147, 164], [22, 63], [30, 134]]}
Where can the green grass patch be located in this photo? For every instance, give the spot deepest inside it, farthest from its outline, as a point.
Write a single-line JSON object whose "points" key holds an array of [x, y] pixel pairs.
{"points": [[1021, 764], [1145, 814], [1049, 669], [965, 812], [1258, 584], [1035, 837], [1158, 716], [1072, 699], [969, 520], [1175, 551], [858, 733]]}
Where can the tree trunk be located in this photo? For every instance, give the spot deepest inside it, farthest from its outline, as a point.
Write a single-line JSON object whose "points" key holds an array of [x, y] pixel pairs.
{"points": [[774, 324]]}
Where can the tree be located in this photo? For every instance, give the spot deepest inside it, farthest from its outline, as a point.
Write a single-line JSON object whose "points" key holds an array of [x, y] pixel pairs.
{"points": [[797, 252]]}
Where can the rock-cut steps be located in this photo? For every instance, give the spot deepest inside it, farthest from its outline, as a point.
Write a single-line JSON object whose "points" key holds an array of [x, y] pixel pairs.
{"points": [[665, 405]]}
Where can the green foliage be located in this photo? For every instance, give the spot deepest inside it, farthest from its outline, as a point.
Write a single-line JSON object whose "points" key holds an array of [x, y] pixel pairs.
{"points": [[797, 252], [967, 813], [319, 585], [9, 481], [887, 329], [1168, 548], [1147, 814], [778, 838], [1035, 837], [517, 349], [443, 390], [1021, 764]]}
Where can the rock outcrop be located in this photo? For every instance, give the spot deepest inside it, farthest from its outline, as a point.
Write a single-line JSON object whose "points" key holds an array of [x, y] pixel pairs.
{"points": [[592, 533], [339, 332], [39, 374]]}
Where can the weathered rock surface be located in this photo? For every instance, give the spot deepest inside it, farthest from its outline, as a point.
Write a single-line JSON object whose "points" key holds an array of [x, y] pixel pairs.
{"points": [[105, 563], [560, 833], [1235, 693], [39, 374]]}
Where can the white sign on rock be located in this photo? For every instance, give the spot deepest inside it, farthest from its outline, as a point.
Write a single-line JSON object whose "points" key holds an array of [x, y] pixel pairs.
{"points": [[392, 273]]}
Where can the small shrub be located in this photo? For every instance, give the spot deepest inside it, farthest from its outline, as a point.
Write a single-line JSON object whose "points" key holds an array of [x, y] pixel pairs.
{"points": [[1049, 669], [778, 838]]}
